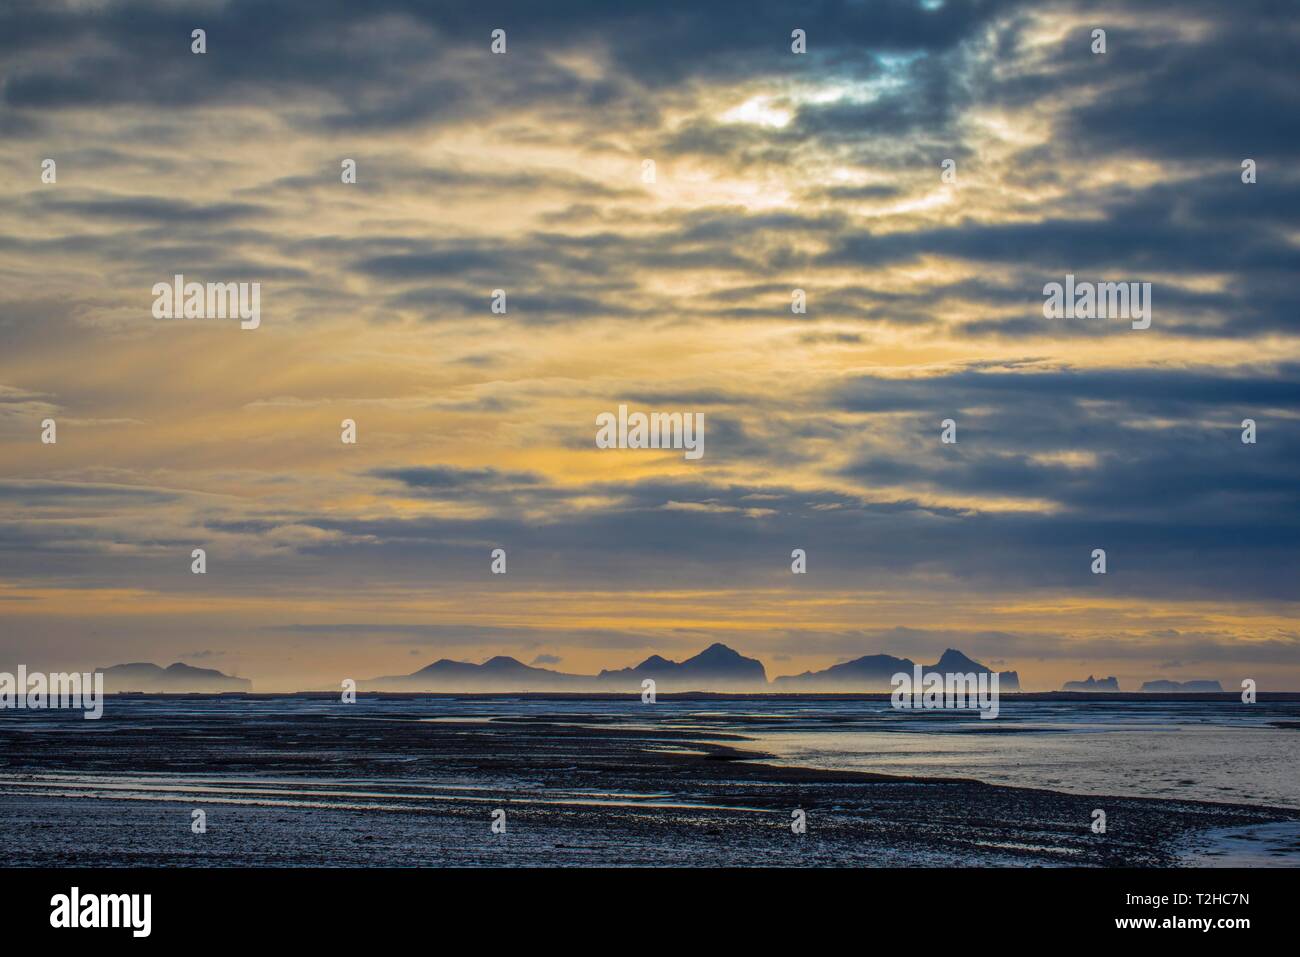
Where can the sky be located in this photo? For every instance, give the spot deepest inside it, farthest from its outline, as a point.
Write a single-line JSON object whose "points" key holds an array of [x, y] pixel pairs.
{"points": [[525, 171]]}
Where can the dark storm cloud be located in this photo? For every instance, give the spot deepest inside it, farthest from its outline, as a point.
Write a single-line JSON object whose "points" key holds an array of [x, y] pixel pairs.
{"points": [[701, 534], [1174, 97], [1236, 84], [140, 51], [1153, 391], [148, 209], [552, 276], [1126, 239], [34, 494], [445, 479], [454, 260], [390, 64], [1205, 521], [1163, 443], [504, 493], [1213, 225], [872, 191]]}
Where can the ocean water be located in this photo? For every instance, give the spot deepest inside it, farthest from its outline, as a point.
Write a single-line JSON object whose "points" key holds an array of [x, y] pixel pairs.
{"points": [[1195, 750], [323, 791]]}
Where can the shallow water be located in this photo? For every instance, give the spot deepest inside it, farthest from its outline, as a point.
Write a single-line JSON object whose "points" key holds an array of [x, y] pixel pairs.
{"points": [[1208, 751], [1194, 750], [1259, 845], [411, 781]]}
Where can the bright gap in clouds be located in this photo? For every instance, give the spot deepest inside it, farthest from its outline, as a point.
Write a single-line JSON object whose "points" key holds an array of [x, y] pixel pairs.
{"points": [[759, 110]]}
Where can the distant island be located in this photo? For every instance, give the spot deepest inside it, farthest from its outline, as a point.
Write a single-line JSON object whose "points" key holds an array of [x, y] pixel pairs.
{"points": [[501, 673], [716, 668], [873, 673], [1093, 684], [1166, 685], [177, 679]]}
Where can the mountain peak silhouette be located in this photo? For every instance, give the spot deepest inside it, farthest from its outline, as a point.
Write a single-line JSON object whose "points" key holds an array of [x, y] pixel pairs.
{"points": [[954, 661], [176, 678], [715, 665], [874, 673]]}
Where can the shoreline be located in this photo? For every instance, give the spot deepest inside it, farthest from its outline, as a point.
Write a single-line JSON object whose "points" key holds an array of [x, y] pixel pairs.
{"points": [[334, 789]]}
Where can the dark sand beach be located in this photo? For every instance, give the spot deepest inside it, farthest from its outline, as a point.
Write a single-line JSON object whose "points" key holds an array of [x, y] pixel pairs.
{"points": [[318, 784]]}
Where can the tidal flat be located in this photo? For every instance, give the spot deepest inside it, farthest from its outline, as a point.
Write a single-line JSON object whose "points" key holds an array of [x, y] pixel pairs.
{"points": [[414, 780]]}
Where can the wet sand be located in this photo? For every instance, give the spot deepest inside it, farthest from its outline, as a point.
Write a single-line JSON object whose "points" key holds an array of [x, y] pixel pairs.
{"points": [[334, 787]]}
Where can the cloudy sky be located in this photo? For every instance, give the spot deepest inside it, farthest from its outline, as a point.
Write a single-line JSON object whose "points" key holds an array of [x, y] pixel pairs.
{"points": [[773, 171]]}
